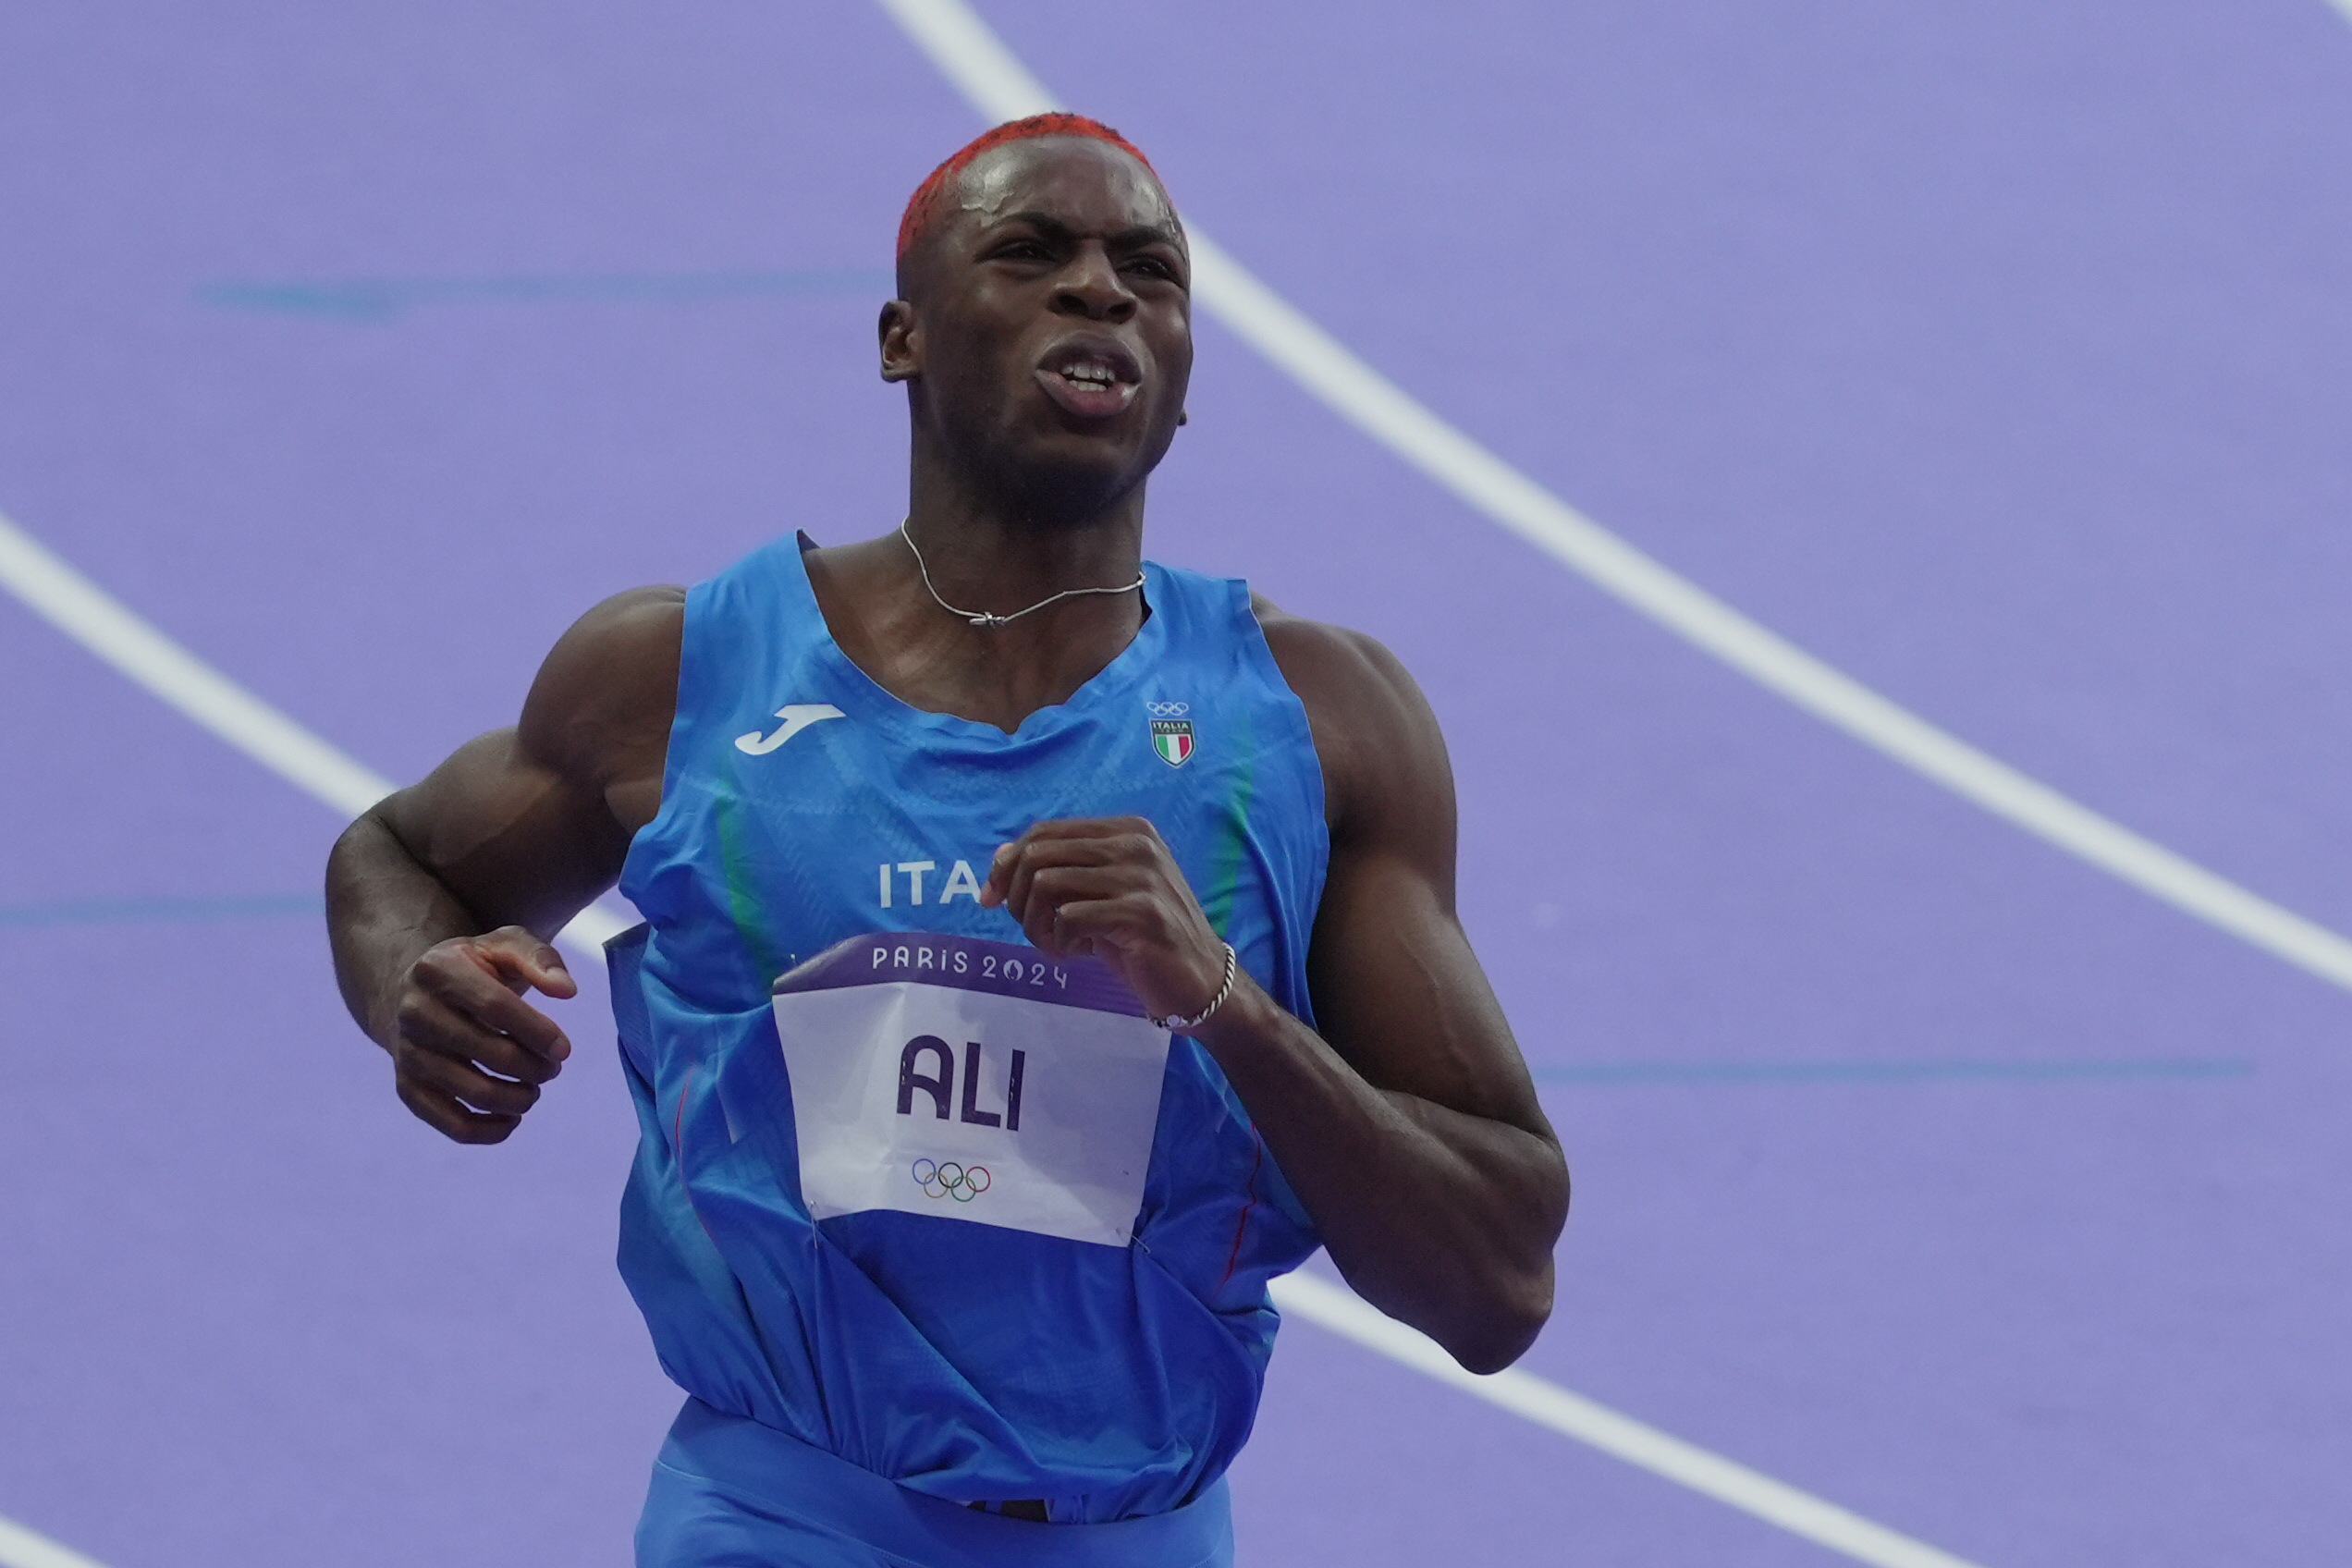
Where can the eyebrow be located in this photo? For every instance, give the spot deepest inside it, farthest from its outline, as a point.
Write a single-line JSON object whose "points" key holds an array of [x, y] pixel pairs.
{"points": [[1053, 227]]}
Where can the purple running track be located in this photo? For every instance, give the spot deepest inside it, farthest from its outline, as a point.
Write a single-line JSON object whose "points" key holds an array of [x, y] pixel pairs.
{"points": [[1994, 353]]}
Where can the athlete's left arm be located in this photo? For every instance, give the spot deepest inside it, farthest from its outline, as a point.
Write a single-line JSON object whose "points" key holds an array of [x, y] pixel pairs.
{"points": [[1409, 1127]]}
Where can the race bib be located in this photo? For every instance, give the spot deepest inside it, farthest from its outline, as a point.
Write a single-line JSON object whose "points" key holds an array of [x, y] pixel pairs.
{"points": [[972, 1080]]}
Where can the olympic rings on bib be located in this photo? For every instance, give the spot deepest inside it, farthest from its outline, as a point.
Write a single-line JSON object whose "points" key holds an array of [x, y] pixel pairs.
{"points": [[940, 1179]]}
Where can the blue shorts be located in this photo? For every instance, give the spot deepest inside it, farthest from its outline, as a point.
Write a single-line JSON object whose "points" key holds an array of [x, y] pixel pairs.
{"points": [[731, 1493]]}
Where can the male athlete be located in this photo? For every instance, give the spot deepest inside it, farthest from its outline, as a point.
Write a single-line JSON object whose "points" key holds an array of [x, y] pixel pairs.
{"points": [[1043, 948]]}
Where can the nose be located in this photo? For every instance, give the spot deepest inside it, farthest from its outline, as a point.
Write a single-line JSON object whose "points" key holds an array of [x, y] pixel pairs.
{"points": [[1092, 288]]}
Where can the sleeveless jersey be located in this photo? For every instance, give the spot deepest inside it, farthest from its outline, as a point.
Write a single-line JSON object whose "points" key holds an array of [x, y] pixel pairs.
{"points": [[1106, 1357]]}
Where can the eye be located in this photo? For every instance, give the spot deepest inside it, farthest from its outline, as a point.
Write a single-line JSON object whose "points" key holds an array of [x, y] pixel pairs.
{"points": [[1153, 266], [1021, 250]]}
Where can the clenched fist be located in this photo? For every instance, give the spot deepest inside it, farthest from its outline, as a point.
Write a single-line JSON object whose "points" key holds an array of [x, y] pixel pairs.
{"points": [[1109, 887], [468, 1053]]}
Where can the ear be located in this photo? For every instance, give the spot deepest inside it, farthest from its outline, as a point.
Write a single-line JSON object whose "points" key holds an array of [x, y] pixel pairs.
{"points": [[1183, 417], [901, 342]]}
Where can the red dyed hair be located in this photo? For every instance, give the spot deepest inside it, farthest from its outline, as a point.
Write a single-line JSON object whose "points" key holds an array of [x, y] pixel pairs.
{"points": [[925, 199]]}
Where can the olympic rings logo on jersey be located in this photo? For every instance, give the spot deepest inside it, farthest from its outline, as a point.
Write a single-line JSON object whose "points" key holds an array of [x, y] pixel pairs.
{"points": [[943, 1179], [1167, 710]]}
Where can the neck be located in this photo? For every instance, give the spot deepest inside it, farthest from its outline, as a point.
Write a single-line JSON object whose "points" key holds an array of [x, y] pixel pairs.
{"points": [[985, 554], [998, 552]]}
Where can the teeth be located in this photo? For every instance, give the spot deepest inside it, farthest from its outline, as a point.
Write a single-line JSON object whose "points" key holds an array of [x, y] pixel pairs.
{"points": [[1098, 373]]}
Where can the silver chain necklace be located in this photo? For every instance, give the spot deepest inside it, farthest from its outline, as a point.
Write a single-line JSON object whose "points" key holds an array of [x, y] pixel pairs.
{"points": [[982, 618]]}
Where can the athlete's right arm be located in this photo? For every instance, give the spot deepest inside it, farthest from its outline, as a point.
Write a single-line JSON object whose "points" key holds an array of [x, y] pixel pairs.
{"points": [[441, 898]]}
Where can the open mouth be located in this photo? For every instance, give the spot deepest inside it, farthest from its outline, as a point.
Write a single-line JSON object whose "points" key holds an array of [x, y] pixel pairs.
{"points": [[1092, 381]]}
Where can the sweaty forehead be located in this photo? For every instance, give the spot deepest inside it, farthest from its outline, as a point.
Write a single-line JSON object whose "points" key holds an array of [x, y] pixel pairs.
{"points": [[1087, 184]]}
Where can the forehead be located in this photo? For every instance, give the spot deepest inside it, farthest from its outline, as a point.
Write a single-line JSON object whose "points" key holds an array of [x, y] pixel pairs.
{"points": [[1091, 186]]}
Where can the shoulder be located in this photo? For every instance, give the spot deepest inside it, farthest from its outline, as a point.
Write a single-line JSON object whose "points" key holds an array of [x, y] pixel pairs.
{"points": [[1383, 756], [1340, 664], [622, 643], [609, 683]]}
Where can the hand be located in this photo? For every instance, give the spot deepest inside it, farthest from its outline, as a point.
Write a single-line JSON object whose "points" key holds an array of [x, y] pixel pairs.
{"points": [[1109, 888], [468, 1053]]}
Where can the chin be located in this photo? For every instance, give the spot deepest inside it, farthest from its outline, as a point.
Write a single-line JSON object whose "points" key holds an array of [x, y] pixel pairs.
{"points": [[1074, 476], [1071, 491]]}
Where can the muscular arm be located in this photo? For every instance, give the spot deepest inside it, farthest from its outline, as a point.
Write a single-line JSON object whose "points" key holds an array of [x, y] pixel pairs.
{"points": [[441, 898], [1409, 1126]]}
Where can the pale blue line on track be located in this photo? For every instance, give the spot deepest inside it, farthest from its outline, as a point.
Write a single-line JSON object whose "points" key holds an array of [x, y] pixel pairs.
{"points": [[2123, 1069], [378, 300], [109, 912]]}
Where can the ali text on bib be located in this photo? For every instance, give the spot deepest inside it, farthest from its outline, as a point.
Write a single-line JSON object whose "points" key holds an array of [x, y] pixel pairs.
{"points": [[971, 1080]]}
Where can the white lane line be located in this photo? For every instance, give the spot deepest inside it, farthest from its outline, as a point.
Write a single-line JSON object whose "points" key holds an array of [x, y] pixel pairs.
{"points": [[1546, 1403], [20, 1547], [101, 623], [111, 629], [963, 49]]}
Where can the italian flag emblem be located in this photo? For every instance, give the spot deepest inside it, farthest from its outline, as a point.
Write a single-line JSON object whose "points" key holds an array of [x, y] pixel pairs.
{"points": [[1172, 739]]}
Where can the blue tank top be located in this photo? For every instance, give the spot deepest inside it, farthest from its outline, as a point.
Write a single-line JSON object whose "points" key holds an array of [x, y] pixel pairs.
{"points": [[802, 805]]}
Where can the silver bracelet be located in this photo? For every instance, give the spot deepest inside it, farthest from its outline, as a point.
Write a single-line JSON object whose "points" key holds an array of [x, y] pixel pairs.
{"points": [[1233, 967]]}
